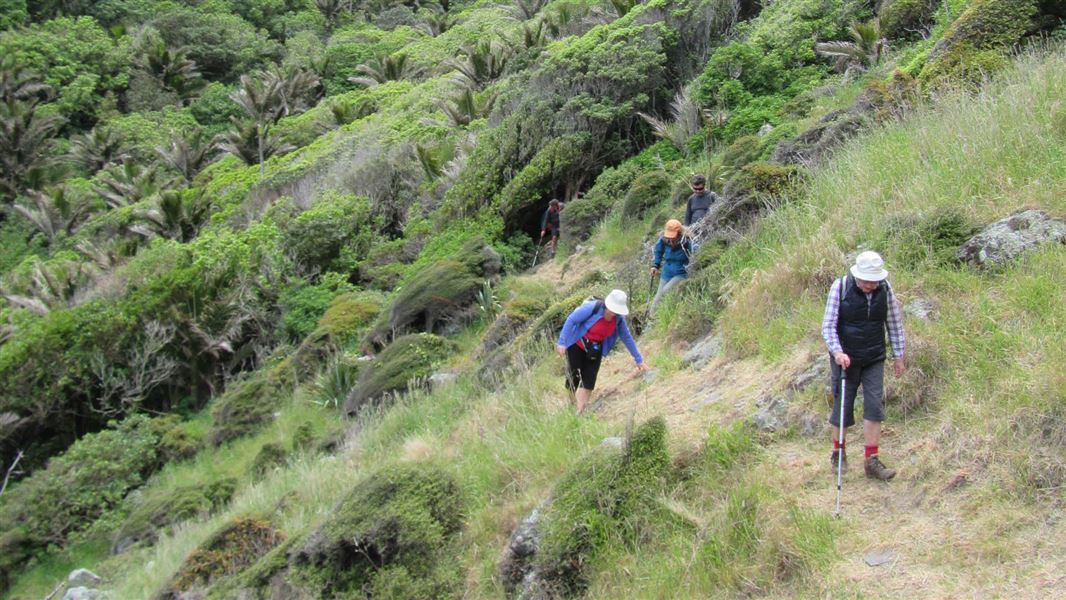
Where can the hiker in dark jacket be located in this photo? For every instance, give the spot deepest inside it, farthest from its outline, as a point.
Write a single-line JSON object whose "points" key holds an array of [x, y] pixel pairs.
{"points": [[588, 336], [861, 306], [699, 202], [550, 222], [670, 259]]}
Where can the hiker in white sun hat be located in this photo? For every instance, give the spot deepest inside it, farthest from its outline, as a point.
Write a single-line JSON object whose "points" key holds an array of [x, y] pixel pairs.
{"points": [[860, 308], [588, 336]]}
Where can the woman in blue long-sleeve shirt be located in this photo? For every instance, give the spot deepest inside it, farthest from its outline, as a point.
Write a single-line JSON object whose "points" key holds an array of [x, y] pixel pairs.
{"points": [[588, 335], [670, 259]]}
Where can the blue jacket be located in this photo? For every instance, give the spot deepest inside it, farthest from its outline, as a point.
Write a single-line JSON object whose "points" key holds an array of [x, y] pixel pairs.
{"points": [[672, 260], [584, 317]]}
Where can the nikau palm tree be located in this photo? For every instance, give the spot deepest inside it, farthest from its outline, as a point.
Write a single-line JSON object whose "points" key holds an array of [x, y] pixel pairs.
{"points": [[128, 185], [52, 212], [383, 69], [188, 154], [97, 149], [866, 49], [481, 64]]}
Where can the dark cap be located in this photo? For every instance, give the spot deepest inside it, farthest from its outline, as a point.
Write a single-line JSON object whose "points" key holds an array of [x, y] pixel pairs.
{"points": [[699, 180]]}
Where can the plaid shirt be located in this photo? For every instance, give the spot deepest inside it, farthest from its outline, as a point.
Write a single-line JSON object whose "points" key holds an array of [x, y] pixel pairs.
{"points": [[832, 314]]}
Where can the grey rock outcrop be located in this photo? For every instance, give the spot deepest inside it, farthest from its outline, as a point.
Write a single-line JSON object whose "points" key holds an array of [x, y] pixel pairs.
{"points": [[517, 570], [1009, 238], [83, 593], [83, 578], [776, 412], [703, 351]]}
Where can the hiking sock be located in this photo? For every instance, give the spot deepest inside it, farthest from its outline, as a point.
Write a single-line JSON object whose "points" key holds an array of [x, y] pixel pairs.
{"points": [[871, 451]]}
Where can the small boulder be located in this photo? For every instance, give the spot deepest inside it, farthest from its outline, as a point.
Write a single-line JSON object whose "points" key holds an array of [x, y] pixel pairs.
{"points": [[442, 378], [83, 578], [82, 593], [517, 571], [772, 414], [702, 352], [922, 309], [765, 130], [1008, 238]]}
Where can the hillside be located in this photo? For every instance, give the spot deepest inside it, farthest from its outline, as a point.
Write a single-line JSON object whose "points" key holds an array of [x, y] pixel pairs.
{"points": [[271, 329]]}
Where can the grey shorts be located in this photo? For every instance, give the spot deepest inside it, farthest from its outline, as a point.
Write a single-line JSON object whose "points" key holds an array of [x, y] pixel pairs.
{"points": [[872, 379]]}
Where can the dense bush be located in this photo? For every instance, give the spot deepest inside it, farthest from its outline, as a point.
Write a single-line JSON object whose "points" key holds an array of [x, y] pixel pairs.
{"points": [[336, 224], [244, 407], [302, 304], [237, 545], [977, 42], [392, 531], [155, 514], [76, 488], [598, 504], [409, 358], [347, 316], [906, 18], [647, 191]]}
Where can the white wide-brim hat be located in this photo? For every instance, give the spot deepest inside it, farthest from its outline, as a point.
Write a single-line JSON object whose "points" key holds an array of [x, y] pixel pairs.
{"points": [[616, 302], [869, 266]]}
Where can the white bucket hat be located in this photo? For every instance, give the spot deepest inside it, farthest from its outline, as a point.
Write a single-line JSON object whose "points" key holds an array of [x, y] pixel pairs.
{"points": [[616, 302], [869, 266]]}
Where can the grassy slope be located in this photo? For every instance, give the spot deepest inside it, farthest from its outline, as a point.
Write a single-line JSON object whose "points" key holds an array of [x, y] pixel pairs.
{"points": [[989, 362]]}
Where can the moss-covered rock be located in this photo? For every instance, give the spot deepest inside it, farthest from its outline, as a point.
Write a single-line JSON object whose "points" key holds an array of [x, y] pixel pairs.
{"points": [[409, 358], [763, 179], [237, 545], [243, 409], [177, 440], [392, 532], [977, 42], [647, 191], [598, 504], [516, 314]]}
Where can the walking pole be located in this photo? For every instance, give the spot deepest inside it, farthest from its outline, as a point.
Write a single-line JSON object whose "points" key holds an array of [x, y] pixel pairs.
{"points": [[840, 442], [537, 253]]}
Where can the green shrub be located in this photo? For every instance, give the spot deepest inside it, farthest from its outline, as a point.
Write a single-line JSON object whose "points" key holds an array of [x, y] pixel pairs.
{"points": [[336, 224], [597, 505], [906, 18], [580, 217], [764, 179], [237, 545], [303, 305], [152, 516], [402, 517], [270, 455], [743, 150], [76, 488], [303, 437], [927, 240], [977, 42], [409, 358], [749, 118], [243, 409], [177, 440], [648, 190], [439, 292], [550, 169], [347, 316]]}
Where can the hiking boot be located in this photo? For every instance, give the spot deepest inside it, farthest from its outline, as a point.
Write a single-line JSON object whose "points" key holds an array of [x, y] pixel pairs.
{"points": [[875, 469], [843, 456]]}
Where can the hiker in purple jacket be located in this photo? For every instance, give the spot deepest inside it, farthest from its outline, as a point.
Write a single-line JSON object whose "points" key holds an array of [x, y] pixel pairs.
{"points": [[588, 336]]}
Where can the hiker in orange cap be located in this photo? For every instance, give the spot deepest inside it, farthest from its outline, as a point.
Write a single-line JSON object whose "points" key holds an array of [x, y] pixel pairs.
{"points": [[670, 259]]}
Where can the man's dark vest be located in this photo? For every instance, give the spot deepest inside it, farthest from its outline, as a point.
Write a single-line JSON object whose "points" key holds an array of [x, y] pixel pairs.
{"points": [[861, 323]]}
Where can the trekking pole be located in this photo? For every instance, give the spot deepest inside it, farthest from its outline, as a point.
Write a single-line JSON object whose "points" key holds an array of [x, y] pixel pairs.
{"points": [[840, 443], [537, 253]]}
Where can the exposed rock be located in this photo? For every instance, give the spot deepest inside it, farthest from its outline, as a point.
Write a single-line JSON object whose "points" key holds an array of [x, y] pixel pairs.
{"points": [[83, 593], [700, 354], [1008, 238], [920, 308], [765, 129], [818, 372], [83, 578], [613, 443], [880, 556], [772, 414], [442, 378], [520, 578], [649, 376]]}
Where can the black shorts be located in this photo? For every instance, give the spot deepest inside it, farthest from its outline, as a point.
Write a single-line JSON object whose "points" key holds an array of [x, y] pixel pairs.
{"points": [[553, 232], [580, 369]]}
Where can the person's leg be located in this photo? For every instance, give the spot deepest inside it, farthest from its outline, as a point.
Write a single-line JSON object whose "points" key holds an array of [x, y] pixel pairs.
{"points": [[582, 399], [658, 296], [851, 390], [873, 409]]}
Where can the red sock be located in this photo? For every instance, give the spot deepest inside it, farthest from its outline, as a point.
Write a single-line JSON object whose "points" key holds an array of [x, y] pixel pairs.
{"points": [[871, 451], [837, 445]]}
